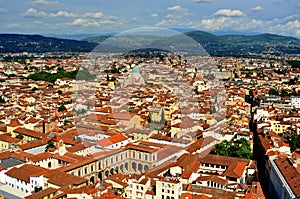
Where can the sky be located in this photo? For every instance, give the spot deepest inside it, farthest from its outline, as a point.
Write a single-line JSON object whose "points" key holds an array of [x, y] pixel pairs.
{"points": [[112, 16]]}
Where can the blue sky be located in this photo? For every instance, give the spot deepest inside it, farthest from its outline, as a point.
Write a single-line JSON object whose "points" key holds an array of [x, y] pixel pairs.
{"points": [[105, 16]]}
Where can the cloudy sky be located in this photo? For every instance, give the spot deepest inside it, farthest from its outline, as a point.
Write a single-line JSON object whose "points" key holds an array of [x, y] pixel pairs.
{"points": [[105, 16]]}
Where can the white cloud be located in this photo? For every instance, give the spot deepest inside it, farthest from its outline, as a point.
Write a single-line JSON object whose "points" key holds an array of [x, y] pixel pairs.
{"points": [[2, 10], [235, 24], [281, 26], [85, 22], [47, 3], [14, 25], [96, 15], [229, 13], [257, 9], [154, 15], [174, 20], [203, 1], [31, 12], [177, 8], [63, 14]]}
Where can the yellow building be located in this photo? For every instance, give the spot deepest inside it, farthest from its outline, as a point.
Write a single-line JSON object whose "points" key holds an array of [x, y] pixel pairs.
{"points": [[280, 128], [8, 142]]}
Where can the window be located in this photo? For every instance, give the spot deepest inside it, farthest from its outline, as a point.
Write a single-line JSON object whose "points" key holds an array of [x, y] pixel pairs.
{"points": [[85, 170], [146, 157]]}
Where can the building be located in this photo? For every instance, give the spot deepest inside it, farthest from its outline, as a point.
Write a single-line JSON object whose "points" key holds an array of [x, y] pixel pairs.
{"points": [[284, 179]]}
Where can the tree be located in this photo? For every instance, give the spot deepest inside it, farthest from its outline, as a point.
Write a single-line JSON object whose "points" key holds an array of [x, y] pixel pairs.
{"points": [[273, 91], [50, 145], [294, 63], [2, 101], [62, 108], [294, 142], [20, 136], [284, 93], [59, 92], [240, 148], [222, 148]]}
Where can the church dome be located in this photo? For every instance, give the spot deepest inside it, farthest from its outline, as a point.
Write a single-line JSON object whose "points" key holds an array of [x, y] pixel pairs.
{"points": [[136, 70]]}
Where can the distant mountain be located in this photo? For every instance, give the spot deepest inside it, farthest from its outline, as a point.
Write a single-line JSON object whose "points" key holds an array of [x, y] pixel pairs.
{"points": [[222, 44], [231, 44], [72, 36], [15, 43]]}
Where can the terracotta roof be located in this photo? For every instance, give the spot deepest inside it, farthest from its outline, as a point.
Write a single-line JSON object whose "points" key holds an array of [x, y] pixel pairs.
{"points": [[63, 179], [30, 133], [141, 148], [8, 138], [221, 160], [15, 123], [121, 116], [20, 155], [111, 140], [35, 143], [200, 143], [193, 196], [290, 175], [26, 171], [213, 178], [235, 170], [43, 193], [167, 151]]}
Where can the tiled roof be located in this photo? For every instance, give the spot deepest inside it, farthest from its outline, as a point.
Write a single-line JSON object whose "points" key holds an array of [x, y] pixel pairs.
{"points": [[235, 170], [221, 160], [8, 138], [290, 174], [213, 178], [62, 179], [26, 171], [111, 140], [200, 143], [43, 193], [141, 148], [30, 133], [35, 143], [15, 123]]}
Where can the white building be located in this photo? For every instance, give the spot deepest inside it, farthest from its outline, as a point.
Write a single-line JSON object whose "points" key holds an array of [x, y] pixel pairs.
{"points": [[27, 178], [295, 101]]}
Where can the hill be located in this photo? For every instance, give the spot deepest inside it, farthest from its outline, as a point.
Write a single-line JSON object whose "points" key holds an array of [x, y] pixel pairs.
{"points": [[222, 44], [232, 44], [15, 43]]}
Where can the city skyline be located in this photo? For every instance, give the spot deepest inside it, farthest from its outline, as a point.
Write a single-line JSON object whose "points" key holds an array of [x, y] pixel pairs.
{"points": [[90, 17]]}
